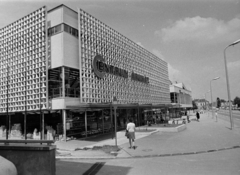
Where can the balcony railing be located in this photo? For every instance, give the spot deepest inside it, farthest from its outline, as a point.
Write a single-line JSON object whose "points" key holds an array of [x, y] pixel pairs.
{"points": [[69, 92]]}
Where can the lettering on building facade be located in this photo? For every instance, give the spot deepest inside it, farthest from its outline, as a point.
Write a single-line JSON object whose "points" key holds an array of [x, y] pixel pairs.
{"points": [[140, 78], [100, 68]]}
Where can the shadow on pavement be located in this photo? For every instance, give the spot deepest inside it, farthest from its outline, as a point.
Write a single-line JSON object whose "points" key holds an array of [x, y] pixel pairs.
{"points": [[78, 168], [94, 168], [228, 128], [98, 138]]}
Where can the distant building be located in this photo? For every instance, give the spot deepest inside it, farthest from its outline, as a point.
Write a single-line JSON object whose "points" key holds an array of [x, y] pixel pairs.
{"points": [[201, 103], [181, 95], [225, 105]]}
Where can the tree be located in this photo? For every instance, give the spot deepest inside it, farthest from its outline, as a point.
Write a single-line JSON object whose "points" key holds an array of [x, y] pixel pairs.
{"points": [[236, 101], [218, 103]]}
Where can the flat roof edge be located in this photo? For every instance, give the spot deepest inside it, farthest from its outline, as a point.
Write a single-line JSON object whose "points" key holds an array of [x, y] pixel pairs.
{"points": [[59, 6]]}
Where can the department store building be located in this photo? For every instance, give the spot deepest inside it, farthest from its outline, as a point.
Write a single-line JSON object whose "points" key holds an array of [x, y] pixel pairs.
{"points": [[62, 68]]}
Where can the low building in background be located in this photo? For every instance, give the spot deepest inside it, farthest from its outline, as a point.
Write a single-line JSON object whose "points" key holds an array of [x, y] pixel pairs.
{"points": [[202, 104], [181, 96]]}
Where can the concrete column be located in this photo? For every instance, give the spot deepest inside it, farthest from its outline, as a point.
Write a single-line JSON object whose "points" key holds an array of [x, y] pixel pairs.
{"points": [[43, 126], [25, 125], [9, 124], [174, 97], [86, 123], [64, 116], [111, 119], [115, 118], [63, 81], [138, 118], [102, 122]]}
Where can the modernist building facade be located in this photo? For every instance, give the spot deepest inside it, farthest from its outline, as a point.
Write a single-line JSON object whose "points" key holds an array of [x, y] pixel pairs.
{"points": [[62, 68]]}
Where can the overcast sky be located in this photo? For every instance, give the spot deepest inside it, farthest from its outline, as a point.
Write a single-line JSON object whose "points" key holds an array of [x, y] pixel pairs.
{"points": [[190, 35]]}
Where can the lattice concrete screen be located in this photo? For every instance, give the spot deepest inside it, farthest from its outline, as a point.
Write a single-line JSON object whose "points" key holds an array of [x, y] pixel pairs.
{"points": [[23, 63], [96, 38]]}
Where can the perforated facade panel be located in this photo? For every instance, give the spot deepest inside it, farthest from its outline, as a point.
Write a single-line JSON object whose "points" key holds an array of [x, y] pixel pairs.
{"points": [[96, 38], [23, 63]]}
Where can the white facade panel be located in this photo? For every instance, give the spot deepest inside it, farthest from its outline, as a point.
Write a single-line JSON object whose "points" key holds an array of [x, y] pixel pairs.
{"points": [[61, 103], [70, 51], [58, 103], [57, 58], [70, 17], [55, 17]]}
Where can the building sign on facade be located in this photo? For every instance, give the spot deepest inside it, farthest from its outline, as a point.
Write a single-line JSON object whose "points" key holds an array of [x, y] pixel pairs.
{"points": [[140, 78], [100, 69]]}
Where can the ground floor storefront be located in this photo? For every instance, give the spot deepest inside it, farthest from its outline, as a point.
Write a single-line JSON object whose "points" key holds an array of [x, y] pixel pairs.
{"points": [[81, 122]]}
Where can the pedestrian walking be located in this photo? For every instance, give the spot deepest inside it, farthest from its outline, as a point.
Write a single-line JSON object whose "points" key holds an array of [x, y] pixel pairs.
{"points": [[198, 116], [131, 133]]}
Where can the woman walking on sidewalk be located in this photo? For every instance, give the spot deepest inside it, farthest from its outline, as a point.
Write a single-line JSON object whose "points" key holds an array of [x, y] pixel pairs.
{"points": [[198, 116], [131, 133]]}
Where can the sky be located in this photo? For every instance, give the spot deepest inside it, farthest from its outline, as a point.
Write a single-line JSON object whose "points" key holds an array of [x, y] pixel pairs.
{"points": [[190, 35]]}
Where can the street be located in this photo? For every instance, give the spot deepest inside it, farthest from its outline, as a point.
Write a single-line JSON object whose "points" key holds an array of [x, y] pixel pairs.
{"points": [[224, 115], [219, 163]]}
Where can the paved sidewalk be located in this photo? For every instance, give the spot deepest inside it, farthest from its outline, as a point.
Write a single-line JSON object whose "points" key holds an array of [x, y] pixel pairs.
{"points": [[81, 148], [199, 137]]}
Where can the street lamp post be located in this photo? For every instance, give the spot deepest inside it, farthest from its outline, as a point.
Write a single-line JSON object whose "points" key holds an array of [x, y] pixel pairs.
{"points": [[205, 99], [211, 92], [25, 114], [115, 117], [7, 129], [228, 88]]}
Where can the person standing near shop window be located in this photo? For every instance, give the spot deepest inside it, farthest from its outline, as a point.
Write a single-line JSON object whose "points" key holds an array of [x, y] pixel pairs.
{"points": [[131, 133]]}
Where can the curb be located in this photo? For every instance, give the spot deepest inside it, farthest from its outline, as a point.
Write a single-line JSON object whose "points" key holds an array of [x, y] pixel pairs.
{"points": [[60, 158], [156, 155]]}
